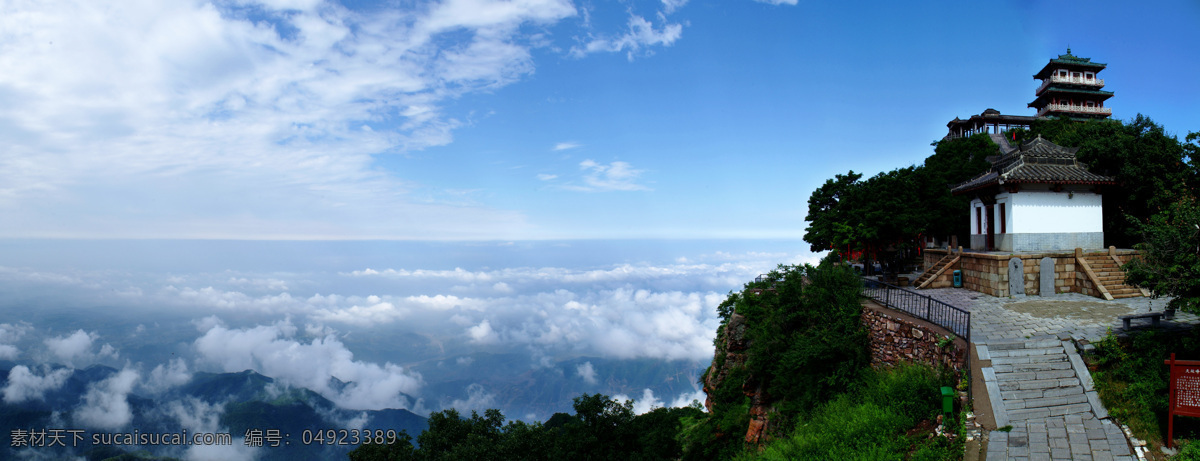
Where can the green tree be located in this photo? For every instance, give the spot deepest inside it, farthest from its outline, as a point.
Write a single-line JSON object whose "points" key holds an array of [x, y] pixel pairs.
{"points": [[804, 343], [1170, 255], [954, 161], [1149, 165], [451, 437], [400, 449], [827, 209], [884, 216]]}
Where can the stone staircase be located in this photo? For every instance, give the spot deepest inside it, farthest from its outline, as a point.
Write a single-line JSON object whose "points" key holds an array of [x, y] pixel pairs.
{"points": [[932, 273], [1111, 276], [1036, 379], [1001, 142], [1042, 390]]}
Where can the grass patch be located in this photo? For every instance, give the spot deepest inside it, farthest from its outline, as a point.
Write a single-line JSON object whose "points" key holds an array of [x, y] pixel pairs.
{"points": [[1133, 383], [888, 417]]}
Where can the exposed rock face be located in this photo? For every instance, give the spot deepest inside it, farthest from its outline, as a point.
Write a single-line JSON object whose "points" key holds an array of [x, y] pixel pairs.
{"points": [[760, 416], [894, 337], [732, 346]]}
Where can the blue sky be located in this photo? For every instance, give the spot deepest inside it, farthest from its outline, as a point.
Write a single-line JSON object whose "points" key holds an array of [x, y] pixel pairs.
{"points": [[534, 119]]}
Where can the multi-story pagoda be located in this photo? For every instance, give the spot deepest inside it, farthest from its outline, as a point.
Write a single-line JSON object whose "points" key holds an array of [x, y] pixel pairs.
{"points": [[1071, 88]]}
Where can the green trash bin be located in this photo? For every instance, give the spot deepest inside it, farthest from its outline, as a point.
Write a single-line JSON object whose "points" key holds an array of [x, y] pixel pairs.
{"points": [[947, 403], [957, 279]]}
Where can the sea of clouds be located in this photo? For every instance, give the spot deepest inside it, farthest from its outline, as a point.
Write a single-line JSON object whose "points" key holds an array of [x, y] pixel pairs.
{"points": [[356, 335]]}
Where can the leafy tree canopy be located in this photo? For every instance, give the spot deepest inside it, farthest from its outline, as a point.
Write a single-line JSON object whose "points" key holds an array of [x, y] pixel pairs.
{"points": [[1170, 255], [1151, 167], [892, 209]]}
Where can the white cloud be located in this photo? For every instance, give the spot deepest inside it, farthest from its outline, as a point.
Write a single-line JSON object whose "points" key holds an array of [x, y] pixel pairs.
{"points": [[106, 404], [164, 377], [616, 176], [483, 333], [640, 34], [269, 350], [76, 348], [670, 6], [779, 2], [478, 399], [197, 416], [686, 398], [546, 177], [648, 402], [24, 385], [567, 146], [9, 352], [117, 116], [643, 405], [11, 333], [587, 372]]}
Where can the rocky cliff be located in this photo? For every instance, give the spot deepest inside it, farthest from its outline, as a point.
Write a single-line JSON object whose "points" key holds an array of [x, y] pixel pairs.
{"points": [[730, 361]]}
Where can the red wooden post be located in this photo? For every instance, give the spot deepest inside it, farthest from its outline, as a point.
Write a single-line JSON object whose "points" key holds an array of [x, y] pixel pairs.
{"points": [[1171, 404]]}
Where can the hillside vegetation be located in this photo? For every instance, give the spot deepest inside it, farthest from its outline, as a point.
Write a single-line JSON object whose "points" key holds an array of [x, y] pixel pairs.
{"points": [[790, 379]]}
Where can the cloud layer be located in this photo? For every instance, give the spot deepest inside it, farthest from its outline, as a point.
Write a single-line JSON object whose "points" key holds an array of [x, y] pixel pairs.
{"points": [[272, 351], [255, 119]]}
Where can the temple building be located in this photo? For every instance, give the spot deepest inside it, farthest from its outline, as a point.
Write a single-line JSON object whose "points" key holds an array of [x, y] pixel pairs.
{"points": [[1036, 216], [1071, 87], [1037, 197]]}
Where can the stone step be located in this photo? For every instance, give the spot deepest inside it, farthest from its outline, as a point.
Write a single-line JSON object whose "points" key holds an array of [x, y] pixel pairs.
{"points": [[1040, 366], [1028, 359], [1034, 375], [1127, 295], [1024, 344], [1025, 352], [1050, 383]]}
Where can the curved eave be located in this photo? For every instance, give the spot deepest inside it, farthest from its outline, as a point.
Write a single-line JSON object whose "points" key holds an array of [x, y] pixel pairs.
{"points": [[1030, 181], [1055, 64]]}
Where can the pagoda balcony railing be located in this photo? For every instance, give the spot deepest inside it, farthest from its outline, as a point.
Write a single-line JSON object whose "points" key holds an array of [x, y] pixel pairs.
{"points": [[1096, 82], [1075, 109]]}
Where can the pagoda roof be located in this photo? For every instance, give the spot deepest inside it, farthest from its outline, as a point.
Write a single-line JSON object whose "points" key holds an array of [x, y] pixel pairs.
{"points": [[991, 116], [1043, 98], [1035, 162], [1068, 61]]}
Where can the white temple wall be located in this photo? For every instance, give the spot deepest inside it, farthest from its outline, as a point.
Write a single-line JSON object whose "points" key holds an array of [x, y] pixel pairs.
{"points": [[1038, 212]]}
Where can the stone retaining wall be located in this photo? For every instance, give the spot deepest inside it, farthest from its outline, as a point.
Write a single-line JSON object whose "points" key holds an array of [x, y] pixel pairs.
{"points": [[897, 337], [988, 272]]}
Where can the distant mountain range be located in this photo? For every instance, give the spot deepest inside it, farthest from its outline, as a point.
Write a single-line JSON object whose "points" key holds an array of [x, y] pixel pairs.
{"points": [[233, 403], [236, 403]]}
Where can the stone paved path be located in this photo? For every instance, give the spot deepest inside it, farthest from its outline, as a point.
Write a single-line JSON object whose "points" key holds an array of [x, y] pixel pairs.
{"points": [[1037, 382], [1046, 395]]}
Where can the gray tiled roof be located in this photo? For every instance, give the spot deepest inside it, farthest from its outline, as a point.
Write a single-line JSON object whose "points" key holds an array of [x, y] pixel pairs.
{"points": [[1036, 161]]}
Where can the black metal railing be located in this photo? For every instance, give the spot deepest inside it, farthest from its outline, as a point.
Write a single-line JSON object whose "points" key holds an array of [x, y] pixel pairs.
{"points": [[926, 308]]}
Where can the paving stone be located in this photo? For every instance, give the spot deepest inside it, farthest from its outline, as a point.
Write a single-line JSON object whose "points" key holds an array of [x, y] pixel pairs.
{"points": [[1059, 392], [1041, 384], [1038, 380], [1055, 374], [1022, 395], [1028, 413]]}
